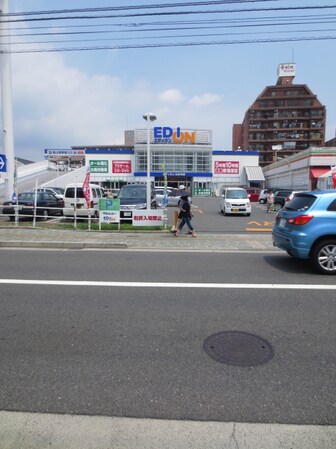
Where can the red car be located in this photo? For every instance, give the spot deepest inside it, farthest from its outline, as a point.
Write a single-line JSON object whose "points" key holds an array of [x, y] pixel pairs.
{"points": [[253, 193]]}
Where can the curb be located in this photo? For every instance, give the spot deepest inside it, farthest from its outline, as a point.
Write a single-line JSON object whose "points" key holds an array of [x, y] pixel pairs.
{"points": [[63, 245]]}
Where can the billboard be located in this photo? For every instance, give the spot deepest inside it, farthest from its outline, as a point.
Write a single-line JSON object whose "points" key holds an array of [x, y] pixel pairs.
{"points": [[287, 70], [119, 166], [226, 168]]}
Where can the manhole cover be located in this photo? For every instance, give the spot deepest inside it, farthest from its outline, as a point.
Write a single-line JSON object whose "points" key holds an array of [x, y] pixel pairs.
{"points": [[238, 348]]}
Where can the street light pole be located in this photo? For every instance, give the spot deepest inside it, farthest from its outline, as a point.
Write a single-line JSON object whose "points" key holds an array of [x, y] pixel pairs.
{"points": [[6, 100], [149, 117]]}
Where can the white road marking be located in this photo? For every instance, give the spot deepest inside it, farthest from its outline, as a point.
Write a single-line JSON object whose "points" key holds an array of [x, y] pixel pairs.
{"points": [[167, 284]]}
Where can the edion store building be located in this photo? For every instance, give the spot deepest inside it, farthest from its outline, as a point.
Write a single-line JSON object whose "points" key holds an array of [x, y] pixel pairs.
{"points": [[182, 156]]}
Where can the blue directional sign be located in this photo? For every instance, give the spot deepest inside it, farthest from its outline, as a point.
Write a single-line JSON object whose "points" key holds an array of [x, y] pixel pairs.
{"points": [[3, 167]]}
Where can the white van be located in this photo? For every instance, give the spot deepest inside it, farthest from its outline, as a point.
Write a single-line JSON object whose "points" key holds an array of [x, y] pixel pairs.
{"points": [[235, 200], [74, 200]]}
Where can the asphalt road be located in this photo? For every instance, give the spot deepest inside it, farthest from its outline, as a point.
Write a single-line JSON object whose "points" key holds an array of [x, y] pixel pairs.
{"points": [[135, 351], [208, 218]]}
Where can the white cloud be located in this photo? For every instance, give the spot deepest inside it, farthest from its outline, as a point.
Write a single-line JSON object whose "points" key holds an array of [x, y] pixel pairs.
{"points": [[171, 96], [205, 99], [57, 106]]}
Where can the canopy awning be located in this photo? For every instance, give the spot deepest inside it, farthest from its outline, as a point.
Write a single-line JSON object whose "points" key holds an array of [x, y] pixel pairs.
{"points": [[316, 172], [254, 174]]}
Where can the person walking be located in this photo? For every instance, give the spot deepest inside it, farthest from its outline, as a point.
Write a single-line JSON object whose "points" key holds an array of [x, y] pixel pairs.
{"points": [[185, 215], [270, 201]]}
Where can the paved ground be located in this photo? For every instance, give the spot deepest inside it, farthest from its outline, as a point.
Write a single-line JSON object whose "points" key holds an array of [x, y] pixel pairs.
{"points": [[30, 237], [39, 431]]}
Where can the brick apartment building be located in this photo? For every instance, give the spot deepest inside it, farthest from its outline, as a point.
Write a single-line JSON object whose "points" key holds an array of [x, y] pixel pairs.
{"points": [[283, 120]]}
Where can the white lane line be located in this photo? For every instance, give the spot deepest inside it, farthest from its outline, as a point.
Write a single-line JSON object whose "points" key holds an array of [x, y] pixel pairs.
{"points": [[167, 284]]}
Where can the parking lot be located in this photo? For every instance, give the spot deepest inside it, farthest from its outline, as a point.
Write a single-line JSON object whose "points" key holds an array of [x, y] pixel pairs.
{"points": [[208, 218]]}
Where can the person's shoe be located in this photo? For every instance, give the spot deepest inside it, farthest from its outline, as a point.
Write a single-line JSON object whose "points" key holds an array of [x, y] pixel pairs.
{"points": [[193, 234]]}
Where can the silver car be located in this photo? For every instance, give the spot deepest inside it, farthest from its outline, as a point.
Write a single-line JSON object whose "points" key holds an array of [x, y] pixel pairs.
{"points": [[173, 196]]}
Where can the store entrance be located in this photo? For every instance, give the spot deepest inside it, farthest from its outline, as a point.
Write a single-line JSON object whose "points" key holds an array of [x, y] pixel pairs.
{"points": [[174, 182]]}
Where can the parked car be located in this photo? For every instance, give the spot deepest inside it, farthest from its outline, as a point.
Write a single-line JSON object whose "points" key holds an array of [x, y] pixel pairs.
{"points": [[294, 192], [235, 200], [262, 196], [112, 193], [173, 196], [74, 200], [306, 229], [115, 193], [134, 196], [57, 191], [280, 197], [46, 204], [253, 193]]}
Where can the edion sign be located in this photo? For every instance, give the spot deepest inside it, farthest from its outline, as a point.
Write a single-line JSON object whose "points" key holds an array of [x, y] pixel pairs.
{"points": [[165, 134]]}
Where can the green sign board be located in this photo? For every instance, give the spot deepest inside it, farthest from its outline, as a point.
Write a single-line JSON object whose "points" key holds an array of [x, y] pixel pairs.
{"points": [[99, 166], [109, 204], [202, 192]]}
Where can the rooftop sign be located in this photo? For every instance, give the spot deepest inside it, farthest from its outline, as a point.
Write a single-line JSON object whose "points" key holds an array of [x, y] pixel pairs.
{"points": [[286, 70], [165, 134], [177, 136]]}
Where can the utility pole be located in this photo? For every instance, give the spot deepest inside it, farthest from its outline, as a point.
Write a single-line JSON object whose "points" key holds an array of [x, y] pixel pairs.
{"points": [[6, 100]]}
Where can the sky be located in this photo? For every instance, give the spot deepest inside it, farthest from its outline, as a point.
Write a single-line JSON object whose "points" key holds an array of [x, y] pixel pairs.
{"points": [[89, 97]]}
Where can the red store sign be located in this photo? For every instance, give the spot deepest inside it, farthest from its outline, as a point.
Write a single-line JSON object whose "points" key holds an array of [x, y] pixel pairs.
{"points": [[226, 168], [121, 167]]}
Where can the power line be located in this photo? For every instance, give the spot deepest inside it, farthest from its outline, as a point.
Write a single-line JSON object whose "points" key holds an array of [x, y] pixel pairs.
{"points": [[170, 37], [176, 44], [185, 24], [142, 28], [133, 7], [188, 12]]}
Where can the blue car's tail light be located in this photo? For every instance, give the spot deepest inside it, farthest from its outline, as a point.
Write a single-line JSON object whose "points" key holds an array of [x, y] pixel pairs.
{"points": [[300, 220]]}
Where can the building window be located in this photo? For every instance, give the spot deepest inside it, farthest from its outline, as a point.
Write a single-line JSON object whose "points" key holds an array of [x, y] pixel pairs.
{"points": [[141, 161], [174, 160]]}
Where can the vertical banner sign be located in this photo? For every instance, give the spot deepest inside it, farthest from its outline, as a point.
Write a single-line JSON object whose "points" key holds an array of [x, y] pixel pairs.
{"points": [[86, 186], [333, 175], [15, 183]]}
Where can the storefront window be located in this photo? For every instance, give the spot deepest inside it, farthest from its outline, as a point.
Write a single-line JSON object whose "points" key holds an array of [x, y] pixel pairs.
{"points": [[172, 159]]}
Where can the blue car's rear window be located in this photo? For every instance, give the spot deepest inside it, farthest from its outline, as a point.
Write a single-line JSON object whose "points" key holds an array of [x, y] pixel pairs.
{"points": [[300, 202]]}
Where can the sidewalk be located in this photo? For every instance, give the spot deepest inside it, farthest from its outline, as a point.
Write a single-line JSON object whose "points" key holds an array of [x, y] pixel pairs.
{"points": [[29, 237]]}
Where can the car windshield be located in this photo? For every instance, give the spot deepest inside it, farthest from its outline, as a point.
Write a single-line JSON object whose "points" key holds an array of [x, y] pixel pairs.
{"points": [[300, 202], [133, 193], [236, 194], [28, 196]]}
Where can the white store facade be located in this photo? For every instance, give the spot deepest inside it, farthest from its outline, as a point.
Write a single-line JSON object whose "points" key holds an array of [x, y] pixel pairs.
{"points": [[182, 156]]}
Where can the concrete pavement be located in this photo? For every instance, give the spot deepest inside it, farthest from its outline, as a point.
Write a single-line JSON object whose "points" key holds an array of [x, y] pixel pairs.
{"points": [[29, 237], [41, 431]]}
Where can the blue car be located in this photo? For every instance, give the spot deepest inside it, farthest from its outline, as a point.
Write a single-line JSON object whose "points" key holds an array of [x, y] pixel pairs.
{"points": [[306, 228]]}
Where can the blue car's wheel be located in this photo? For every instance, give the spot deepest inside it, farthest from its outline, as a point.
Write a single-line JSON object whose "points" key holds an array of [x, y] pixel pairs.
{"points": [[323, 257]]}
